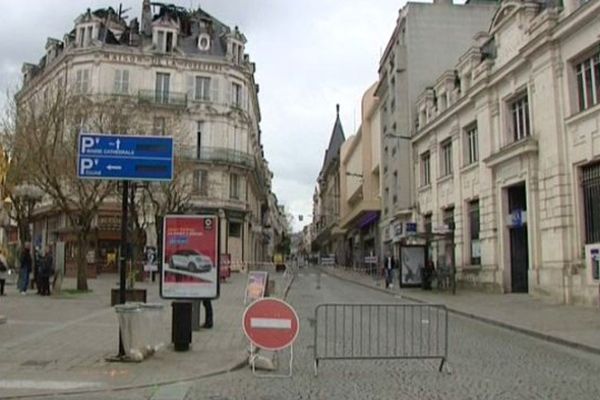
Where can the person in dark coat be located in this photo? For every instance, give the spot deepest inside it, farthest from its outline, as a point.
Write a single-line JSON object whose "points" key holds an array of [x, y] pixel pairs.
{"points": [[26, 264], [208, 320], [389, 265], [46, 271]]}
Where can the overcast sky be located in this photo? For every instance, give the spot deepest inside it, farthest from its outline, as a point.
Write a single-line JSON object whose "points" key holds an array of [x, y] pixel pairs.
{"points": [[310, 55]]}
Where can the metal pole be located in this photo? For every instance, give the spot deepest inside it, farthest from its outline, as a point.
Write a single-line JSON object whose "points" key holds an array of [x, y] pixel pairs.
{"points": [[123, 255]]}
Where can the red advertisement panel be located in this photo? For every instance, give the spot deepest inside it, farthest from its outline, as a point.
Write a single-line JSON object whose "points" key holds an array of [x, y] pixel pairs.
{"points": [[190, 257]]}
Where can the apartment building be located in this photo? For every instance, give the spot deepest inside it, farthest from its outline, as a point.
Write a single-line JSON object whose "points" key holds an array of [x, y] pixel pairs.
{"points": [[427, 38], [188, 70], [506, 148], [359, 188]]}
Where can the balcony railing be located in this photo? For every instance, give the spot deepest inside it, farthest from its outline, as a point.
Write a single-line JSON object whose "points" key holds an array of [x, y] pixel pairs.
{"points": [[164, 98], [218, 155]]}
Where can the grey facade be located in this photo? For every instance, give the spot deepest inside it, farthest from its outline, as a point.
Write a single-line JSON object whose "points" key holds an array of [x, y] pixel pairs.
{"points": [[427, 38]]}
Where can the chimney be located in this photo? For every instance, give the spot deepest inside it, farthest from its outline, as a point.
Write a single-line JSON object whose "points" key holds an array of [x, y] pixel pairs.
{"points": [[146, 18]]}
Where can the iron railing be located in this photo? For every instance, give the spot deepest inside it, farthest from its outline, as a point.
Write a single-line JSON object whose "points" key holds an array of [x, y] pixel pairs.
{"points": [[380, 331], [164, 98], [219, 155]]}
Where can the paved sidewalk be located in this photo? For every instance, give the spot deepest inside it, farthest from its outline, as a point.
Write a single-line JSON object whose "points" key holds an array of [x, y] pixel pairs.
{"points": [[574, 326], [57, 344]]}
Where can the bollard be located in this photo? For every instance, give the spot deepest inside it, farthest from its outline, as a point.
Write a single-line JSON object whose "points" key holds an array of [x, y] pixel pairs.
{"points": [[182, 325]]}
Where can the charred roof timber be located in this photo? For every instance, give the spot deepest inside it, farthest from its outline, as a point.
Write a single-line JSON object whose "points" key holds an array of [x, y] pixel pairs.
{"points": [[111, 27]]}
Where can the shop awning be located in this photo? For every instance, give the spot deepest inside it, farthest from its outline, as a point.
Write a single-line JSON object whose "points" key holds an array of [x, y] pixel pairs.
{"points": [[368, 219]]}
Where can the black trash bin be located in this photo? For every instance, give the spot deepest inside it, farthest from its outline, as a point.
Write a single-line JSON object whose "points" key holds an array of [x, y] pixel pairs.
{"points": [[181, 327]]}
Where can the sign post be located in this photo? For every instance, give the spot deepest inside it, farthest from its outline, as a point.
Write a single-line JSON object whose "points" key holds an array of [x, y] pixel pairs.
{"points": [[124, 158], [271, 324]]}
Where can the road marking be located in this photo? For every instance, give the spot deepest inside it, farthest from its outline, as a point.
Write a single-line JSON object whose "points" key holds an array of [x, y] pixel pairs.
{"points": [[49, 385], [271, 323]]}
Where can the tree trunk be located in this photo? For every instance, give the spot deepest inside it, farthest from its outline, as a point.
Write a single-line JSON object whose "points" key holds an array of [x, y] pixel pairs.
{"points": [[82, 249]]}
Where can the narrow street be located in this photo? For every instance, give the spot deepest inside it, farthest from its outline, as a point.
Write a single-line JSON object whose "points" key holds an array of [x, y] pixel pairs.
{"points": [[484, 362]]}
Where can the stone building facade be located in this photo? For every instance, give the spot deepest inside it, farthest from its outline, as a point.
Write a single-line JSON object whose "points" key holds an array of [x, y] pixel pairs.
{"points": [[426, 39], [192, 72], [360, 193], [507, 147], [328, 236]]}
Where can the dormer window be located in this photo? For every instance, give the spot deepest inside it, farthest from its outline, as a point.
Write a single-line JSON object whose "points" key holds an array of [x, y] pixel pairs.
{"points": [[164, 40], [204, 42], [85, 35]]}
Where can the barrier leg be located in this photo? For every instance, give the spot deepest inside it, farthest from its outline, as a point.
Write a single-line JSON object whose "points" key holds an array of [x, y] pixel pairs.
{"points": [[442, 365]]}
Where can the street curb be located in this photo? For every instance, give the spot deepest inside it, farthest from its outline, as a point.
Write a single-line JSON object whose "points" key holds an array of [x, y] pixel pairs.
{"points": [[234, 366], [490, 321]]}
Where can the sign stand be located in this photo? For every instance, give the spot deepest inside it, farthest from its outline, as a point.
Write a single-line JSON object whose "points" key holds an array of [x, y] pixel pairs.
{"points": [[273, 325], [254, 355], [124, 158], [123, 256]]}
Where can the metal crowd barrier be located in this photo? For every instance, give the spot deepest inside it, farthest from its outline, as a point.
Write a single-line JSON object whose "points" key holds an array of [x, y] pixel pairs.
{"points": [[380, 331]]}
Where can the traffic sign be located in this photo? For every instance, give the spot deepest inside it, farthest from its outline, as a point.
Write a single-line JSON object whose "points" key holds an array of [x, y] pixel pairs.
{"points": [[125, 157], [271, 324]]}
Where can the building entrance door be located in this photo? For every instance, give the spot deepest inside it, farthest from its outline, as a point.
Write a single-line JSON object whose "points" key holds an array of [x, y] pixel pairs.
{"points": [[519, 254]]}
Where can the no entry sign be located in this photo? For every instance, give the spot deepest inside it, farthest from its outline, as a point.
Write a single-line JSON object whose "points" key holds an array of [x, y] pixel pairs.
{"points": [[271, 324]]}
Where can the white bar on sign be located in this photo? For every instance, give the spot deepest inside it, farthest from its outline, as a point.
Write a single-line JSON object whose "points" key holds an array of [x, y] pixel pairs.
{"points": [[272, 323]]}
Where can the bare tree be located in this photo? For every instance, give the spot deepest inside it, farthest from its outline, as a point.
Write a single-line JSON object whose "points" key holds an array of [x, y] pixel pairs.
{"points": [[46, 139], [175, 197]]}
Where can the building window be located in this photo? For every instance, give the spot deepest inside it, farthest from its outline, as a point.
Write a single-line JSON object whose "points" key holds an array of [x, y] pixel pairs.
{"points": [[89, 35], [590, 182], [121, 81], [236, 94], [519, 112], [588, 82], [427, 227], [235, 229], [471, 145], [448, 218], [446, 158], [200, 183], [425, 169], [82, 81], [202, 91], [162, 87], [204, 42], [199, 130], [473, 214], [158, 126], [234, 186], [81, 36]]}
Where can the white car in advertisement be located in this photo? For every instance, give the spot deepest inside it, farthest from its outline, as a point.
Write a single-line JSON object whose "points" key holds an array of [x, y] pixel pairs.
{"points": [[190, 260]]}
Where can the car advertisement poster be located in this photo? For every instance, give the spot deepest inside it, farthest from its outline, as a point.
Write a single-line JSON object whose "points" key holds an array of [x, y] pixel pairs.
{"points": [[190, 257]]}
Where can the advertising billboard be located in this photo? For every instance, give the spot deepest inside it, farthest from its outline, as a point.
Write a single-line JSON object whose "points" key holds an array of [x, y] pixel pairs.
{"points": [[412, 261], [256, 286], [190, 257]]}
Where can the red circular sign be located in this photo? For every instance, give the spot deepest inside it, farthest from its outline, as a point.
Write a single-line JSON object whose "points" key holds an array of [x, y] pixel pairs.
{"points": [[271, 324]]}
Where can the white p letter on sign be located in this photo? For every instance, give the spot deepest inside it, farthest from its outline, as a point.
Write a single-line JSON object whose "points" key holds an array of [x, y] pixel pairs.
{"points": [[85, 164], [86, 144]]}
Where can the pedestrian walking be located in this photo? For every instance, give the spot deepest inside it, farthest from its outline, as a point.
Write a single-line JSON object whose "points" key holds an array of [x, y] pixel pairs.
{"points": [[208, 310], [427, 275], [389, 267], [46, 271], [25, 268], [3, 272]]}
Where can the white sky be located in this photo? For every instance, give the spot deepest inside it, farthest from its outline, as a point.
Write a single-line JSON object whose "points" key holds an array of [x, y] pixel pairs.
{"points": [[310, 55]]}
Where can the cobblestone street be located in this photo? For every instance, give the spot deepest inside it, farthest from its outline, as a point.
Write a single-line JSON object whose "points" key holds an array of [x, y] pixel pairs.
{"points": [[485, 362]]}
